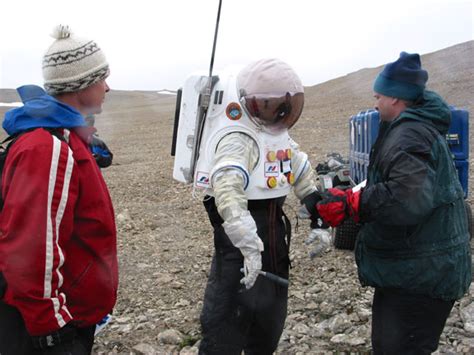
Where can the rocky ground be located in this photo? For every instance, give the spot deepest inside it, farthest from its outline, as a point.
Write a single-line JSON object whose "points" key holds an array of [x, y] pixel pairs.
{"points": [[165, 243]]}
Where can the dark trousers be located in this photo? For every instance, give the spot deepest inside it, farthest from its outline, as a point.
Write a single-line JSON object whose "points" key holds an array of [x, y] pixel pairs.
{"points": [[14, 339], [233, 318], [407, 324]]}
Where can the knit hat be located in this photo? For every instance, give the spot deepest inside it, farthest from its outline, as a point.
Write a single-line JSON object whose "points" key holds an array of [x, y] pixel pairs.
{"points": [[71, 63], [403, 79]]}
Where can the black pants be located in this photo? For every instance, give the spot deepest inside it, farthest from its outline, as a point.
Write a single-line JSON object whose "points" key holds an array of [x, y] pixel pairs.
{"points": [[233, 318], [407, 324], [14, 339]]}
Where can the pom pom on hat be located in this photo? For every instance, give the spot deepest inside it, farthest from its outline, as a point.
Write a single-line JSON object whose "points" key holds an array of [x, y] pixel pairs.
{"points": [[71, 63], [61, 32], [403, 79]]}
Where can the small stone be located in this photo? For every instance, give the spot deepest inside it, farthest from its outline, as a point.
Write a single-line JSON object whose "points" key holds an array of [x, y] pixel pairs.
{"points": [[145, 349], [170, 336]]}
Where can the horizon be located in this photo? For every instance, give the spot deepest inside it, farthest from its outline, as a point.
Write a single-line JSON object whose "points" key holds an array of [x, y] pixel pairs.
{"points": [[166, 91]]}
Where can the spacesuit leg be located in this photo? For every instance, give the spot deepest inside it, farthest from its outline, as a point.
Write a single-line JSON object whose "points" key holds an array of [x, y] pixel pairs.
{"points": [[271, 304], [224, 322]]}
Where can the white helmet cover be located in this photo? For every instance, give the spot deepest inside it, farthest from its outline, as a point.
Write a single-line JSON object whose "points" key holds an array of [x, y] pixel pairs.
{"points": [[272, 93]]}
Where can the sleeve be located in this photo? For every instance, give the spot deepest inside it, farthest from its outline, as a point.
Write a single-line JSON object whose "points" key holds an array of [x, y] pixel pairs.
{"points": [[236, 155], [405, 197], [304, 175], [36, 188]]}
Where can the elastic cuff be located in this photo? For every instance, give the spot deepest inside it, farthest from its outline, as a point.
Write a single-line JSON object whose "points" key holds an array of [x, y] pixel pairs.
{"points": [[311, 201]]}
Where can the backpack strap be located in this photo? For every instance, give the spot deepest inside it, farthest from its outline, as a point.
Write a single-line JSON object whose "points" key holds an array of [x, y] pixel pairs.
{"points": [[57, 133]]}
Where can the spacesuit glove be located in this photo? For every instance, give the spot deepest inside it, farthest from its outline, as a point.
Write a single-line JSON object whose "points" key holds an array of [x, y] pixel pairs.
{"points": [[321, 239], [338, 205], [60, 342], [252, 266], [309, 209], [242, 232]]}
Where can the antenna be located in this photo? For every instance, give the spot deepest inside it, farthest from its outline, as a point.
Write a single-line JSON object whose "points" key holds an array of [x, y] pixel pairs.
{"points": [[207, 92], [204, 99], [215, 38]]}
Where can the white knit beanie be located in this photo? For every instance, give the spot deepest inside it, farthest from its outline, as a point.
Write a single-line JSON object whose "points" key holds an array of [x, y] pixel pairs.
{"points": [[71, 63]]}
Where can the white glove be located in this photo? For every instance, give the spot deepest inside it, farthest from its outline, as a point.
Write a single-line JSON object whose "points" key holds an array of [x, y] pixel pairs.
{"points": [[323, 240], [242, 232]]}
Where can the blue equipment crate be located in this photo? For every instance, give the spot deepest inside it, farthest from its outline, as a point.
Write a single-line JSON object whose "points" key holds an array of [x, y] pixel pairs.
{"points": [[458, 133], [364, 129], [462, 166]]}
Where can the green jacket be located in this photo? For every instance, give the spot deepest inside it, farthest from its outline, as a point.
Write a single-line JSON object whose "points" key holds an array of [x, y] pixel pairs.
{"points": [[415, 236]]}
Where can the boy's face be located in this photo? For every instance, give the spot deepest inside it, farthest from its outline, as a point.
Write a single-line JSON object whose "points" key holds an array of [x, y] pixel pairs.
{"points": [[92, 98]]}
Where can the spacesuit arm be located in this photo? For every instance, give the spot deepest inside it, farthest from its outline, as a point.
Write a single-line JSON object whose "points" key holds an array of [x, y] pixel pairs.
{"points": [[306, 191], [236, 155], [304, 183]]}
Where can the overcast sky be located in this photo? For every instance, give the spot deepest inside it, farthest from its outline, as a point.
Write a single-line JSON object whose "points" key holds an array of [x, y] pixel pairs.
{"points": [[155, 44]]}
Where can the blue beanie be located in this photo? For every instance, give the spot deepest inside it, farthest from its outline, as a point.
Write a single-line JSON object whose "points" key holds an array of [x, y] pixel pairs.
{"points": [[403, 79]]}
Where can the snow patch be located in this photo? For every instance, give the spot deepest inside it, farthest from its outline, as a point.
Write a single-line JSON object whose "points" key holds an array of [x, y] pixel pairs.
{"points": [[166, 92], [11, 104]]}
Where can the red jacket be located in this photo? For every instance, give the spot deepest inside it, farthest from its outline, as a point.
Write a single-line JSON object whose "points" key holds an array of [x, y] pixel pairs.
{"points": [[58, 250]]}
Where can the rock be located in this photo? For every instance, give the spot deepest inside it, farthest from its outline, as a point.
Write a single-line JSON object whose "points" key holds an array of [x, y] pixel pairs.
{"points": [[337, 324], [162, 278], [298, 294], [121, 320], [356, 341], [326, 308], [127, 328], [145, 349], [124, 217], [301, 329], [364, 314], [182, 303], [340, 339], [467, 316], [348, 339], [189, 350], [170, 336], [177, 285]]}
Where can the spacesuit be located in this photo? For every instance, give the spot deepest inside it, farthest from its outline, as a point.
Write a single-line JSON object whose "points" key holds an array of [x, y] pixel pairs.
{"points": [[248, 170]]}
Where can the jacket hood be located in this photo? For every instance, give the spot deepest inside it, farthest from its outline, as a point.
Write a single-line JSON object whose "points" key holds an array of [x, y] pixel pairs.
{"points": [[40, 110], [431, 109]]}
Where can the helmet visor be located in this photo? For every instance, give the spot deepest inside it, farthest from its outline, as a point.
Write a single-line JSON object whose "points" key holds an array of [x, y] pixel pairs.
{"points": [[275, 111]]}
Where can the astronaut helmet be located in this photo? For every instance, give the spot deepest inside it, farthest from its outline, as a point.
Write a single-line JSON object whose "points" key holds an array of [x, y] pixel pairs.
{"points": [[271, 93]]}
